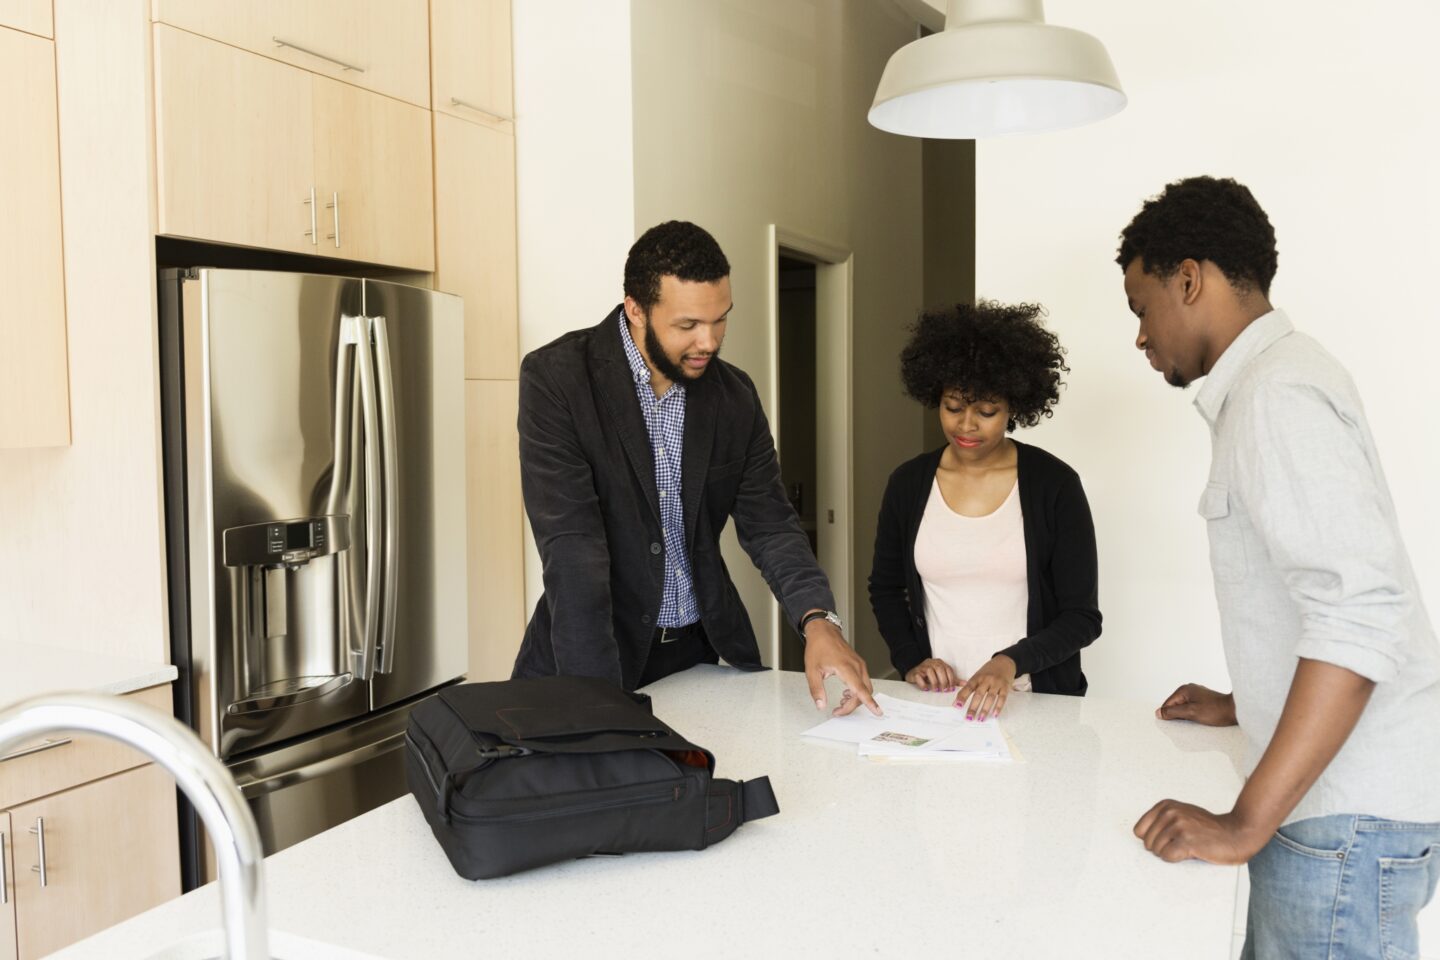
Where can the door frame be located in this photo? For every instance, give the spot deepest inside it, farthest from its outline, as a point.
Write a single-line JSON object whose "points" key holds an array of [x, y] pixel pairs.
{"points": [[834, 453]]}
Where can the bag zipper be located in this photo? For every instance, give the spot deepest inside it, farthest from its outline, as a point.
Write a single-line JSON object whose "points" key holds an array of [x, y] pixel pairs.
{"points": [[671, 794]]}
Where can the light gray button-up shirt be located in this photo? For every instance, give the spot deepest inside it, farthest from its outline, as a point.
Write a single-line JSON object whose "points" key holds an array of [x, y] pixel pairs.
{"points": [[1308, 562]]}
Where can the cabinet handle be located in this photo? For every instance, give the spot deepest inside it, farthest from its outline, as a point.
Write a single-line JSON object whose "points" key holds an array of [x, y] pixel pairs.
{"points": [[334, 205], [339, 63], [39, 831], [4, 875], [43, 745], [312, 233], [457, 102]]}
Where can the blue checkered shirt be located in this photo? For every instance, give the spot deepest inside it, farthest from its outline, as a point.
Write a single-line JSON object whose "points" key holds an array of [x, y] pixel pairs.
{"points": [[665, 422]]}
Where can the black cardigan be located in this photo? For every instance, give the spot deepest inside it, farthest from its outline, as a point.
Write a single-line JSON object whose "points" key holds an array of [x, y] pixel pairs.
{"points": [[1062, 570]]}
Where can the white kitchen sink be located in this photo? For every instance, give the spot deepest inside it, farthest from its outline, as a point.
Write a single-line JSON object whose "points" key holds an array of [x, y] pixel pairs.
{"points": [[283, 946]]}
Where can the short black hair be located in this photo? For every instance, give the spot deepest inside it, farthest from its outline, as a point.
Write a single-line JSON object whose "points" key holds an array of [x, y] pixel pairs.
{"points": [[675, 248], [1203, 218], [987, 351]]}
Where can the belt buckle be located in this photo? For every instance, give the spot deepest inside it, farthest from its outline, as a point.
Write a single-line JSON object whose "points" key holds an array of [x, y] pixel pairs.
{"points": [[665, 635]]}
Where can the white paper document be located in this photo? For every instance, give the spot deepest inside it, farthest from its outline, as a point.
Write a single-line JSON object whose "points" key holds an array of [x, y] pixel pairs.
{"points": [[918, 732]]}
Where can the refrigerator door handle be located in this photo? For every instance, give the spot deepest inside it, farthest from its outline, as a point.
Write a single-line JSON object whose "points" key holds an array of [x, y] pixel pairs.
{"points": [[365, 660], [389, 467]]}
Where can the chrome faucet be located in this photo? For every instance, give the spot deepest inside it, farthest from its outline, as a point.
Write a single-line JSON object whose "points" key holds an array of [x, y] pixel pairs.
{"points": [[201, 777]]}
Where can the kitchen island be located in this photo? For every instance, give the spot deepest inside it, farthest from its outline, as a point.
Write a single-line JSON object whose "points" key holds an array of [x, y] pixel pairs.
{"points": [[1028, 859]]}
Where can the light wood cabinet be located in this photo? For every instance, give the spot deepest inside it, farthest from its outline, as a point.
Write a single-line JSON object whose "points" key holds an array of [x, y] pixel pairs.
{"points": [[235, 149], [8, 944], [111, 850], [34, 374], [32, 16], [471, 63], [475, 248], [102, 823], [373, 170], [242, 141], [496, 540], [380, 45]]}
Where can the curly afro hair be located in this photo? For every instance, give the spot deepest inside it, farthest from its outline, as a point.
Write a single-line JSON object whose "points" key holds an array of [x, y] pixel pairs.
{"points": [[1202, 218], [675, 248], [986, 351]]}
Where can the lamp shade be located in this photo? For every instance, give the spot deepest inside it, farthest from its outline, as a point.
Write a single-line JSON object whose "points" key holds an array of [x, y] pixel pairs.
{"points": [[996, 69]]}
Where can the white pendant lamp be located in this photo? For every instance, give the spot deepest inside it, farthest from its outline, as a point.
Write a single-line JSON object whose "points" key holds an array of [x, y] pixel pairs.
{"points": [[997, 68]]}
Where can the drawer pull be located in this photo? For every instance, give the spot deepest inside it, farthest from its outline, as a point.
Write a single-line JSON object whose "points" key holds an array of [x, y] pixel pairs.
{"points": [[312, 233], [39, 831], [43, 745], [457, 102], [334, 205], [339, 63]]}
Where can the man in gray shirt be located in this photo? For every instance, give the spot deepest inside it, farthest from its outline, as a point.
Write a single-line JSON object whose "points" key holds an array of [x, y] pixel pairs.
{"points": [[1335, 666]]}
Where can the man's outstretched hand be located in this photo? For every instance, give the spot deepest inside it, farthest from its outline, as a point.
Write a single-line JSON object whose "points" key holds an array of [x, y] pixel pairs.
{"points": [[828, 655]]}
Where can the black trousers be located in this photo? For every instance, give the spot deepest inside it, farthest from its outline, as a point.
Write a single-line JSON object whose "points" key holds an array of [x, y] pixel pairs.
{"points": [[673, 649]]}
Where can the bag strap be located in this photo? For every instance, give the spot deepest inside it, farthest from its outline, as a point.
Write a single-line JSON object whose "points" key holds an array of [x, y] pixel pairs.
{"points": [[733, 802]]}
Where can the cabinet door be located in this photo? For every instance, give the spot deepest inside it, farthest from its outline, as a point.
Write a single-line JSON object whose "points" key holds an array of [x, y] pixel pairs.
{"points": [[374, 177], [234, 145], [496, 566], [34, 374], [470, 58], [381, 45], [475, 254], [111, 851], [7, 889], [32, 16]]}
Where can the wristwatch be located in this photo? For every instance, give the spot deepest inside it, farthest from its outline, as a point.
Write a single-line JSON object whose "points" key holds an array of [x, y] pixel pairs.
{"points": [[829, 615]]}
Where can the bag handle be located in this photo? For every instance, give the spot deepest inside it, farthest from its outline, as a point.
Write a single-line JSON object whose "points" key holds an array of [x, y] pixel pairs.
{"points": [[733, 802]]}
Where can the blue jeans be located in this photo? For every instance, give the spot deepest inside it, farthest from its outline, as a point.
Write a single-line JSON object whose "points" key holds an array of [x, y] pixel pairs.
{"points": [[1341, 887]]}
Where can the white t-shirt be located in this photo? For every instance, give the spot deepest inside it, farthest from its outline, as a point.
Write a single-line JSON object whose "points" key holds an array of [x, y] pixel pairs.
{"points": [[973, 570]]}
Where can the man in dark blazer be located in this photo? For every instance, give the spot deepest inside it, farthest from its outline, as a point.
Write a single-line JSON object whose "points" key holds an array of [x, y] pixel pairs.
{"points": [[637, 445]]}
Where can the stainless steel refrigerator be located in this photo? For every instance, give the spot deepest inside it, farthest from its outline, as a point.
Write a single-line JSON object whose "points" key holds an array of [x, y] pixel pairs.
{"points": [[314, 456]]}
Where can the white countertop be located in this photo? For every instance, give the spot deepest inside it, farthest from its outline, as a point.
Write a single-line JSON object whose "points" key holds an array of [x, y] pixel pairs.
{"points": [[1031, 859], [30, 669]]}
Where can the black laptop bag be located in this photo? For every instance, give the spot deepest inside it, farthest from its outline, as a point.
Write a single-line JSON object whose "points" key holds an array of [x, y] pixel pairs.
{"points": [[522, 773]]}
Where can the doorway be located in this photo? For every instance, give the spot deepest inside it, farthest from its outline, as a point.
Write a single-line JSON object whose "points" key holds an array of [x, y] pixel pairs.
{"points": [[810, 311], [795, 359]]}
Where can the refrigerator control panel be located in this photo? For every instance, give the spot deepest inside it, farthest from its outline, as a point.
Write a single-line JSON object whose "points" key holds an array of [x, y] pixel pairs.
{"points": [[285, 542]]}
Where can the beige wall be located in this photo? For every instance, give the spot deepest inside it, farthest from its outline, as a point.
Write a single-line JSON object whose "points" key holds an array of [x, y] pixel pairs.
{"points": [[575, 209], [1325, 119], [81, 544], [752, 112]]}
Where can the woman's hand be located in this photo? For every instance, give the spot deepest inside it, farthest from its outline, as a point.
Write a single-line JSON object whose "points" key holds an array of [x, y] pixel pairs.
{"points": [[987, 689], [933, 674]]}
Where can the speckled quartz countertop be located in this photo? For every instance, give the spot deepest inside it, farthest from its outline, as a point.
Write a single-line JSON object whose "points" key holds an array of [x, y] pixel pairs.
{"points": [[1033, 859], [29, 669]]}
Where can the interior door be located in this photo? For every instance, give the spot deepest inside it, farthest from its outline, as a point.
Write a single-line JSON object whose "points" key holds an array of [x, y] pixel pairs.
{"points": [[425, 332]]}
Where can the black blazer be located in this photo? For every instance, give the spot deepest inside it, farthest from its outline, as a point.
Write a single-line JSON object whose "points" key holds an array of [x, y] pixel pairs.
{"points": [[1064, 612], [588, 477]]}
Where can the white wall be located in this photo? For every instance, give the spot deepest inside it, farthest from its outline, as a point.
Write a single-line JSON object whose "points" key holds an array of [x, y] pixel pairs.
{"points": [[574, 173], [1328, 119], [752, 112]]}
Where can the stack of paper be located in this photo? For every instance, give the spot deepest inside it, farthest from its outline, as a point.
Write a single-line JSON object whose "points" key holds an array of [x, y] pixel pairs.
{"points": [[917, 732]]}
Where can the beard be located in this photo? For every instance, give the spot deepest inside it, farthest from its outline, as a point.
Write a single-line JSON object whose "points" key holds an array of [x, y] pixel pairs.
{"points": [[1177, 379], [671, 370]]}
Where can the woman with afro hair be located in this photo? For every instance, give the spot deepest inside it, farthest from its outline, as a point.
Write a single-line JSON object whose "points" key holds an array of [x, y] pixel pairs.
{"points": [[984, 576]]}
